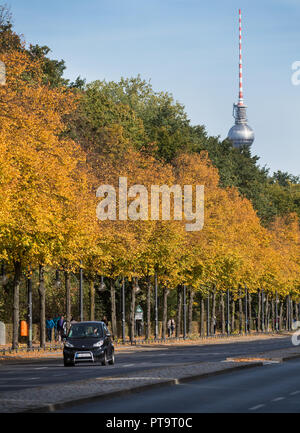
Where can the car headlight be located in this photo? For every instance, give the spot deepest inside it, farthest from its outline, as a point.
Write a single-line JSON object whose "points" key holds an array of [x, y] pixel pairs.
{"points": [[98, 344], [67, 344]]}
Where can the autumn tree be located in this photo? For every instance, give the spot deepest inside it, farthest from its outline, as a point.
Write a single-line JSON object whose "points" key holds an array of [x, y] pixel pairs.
{"points": [[39, 171]]}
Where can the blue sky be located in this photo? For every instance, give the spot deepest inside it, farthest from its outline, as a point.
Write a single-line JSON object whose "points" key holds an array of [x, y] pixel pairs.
{"points": [[190, 49]]}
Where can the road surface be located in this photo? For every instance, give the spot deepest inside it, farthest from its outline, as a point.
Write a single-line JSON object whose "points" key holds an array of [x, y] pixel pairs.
{"points": [[274, 388], [45, 372]]}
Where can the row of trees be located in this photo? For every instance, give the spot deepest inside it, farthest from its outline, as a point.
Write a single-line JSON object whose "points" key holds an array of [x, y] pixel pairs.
{"points": [[60, 141]]}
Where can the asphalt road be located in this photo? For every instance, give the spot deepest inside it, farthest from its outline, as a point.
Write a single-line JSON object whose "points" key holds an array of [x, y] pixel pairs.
{"points": [[21, 376], [273, 388]]}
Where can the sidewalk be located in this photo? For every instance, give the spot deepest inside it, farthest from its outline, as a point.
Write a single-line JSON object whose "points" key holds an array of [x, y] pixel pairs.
{"points": [[51, 397]]}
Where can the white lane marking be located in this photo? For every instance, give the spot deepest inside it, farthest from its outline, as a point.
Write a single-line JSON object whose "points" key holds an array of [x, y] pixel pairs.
{"points": [[32, 378], [294, 393], [257, 407], [278, 399], [40, 368], [162, 354], [127, 365], [135, 378]]}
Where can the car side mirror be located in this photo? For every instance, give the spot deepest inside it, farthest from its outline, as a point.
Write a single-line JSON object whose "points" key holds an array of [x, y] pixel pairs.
{"points": [[108, 334]]}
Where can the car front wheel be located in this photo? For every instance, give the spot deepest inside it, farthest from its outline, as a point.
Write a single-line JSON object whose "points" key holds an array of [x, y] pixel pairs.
{"points": [[112, 361], [104, 361]]}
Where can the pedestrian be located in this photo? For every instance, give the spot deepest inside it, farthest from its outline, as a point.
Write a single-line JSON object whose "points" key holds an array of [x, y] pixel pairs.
{"points": [[61, 328], [215, 324], [65, 328], [172, 326], [55, 320], [169, 327], [49, 326], [105, 321]]}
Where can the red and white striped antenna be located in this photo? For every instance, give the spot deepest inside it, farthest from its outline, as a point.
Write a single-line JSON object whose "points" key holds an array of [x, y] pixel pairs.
{"points": [[241, 97]]}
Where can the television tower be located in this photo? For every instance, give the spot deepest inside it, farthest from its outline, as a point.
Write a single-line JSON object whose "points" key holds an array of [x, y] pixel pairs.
{"points": [[240, 134]]}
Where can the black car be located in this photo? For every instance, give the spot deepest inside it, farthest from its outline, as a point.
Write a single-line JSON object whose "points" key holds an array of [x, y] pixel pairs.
{"points": [[88, 342]]}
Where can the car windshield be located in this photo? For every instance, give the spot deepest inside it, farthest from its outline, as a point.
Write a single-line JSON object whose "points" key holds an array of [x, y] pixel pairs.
{"points": [[85, 330]]}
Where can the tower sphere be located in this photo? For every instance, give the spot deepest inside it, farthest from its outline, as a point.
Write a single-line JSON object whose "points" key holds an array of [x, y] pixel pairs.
{"points": [[241, 134]]}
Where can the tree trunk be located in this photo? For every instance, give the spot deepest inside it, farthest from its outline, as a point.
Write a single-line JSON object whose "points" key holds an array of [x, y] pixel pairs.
{"points": [[267, 314], [16, 304], [165, 312], [4, 278], [222, 313], [132, 313], [42, 294], [280, 315], [241, 314], [148, 325], [208, 308], [202, 317], [233, 316], [92, 300], [287, 313], [213, 313], [113, 308], [259, 311], [273, 315], [250, 312], [179, 309], [296, 312], [190, 313], [68, 299]]}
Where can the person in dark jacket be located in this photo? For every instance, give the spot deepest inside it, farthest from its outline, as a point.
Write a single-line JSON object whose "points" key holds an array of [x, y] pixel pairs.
{"points": [[61, 328]]}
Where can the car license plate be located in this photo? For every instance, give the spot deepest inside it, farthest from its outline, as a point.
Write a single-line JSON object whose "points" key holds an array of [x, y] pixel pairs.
{"points": [[83, 355]]}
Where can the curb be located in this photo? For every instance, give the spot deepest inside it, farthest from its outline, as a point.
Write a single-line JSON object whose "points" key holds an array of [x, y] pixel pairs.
{"points": [[287, 358], [29, 361], [57, 406]]}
